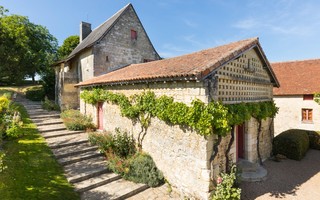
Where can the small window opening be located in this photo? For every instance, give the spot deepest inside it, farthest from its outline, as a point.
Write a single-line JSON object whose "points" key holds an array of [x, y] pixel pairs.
{"points": [[134, 35]]}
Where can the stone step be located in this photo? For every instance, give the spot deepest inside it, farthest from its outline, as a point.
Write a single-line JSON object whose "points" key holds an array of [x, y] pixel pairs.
{"points": [[42, 122], [44, 116], [58, 122], [55, 146], [86, 169], [59, 133], [260, 174], [80, 157], [116, 190], [247, 166], [51, 126], [69, 138], [73, 150], [163, 192], [96, 181], [44, 130]]}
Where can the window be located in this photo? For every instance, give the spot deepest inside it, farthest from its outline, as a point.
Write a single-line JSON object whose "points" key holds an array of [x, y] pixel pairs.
{"points": [[147, 60], [308, 97], [307, 115], [107, 58], [134, 35]]}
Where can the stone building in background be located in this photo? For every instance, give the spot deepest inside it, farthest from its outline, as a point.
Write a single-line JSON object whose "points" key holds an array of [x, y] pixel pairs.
{"points": [[117, 43], [299, 81], [232, 73]]}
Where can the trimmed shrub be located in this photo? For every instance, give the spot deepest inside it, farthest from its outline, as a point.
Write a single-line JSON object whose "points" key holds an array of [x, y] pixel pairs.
{"points": [[124, 159], [50, 105], [104, 141], [35, 94], [75, 121], [143, 170], [314, 139], [292, 143]]}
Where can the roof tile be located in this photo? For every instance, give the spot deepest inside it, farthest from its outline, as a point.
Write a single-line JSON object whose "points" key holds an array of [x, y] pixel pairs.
{"points": [[194, 66], [297, 77]]}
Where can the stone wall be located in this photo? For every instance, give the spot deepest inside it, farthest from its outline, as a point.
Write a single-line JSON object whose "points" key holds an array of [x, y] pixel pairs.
{"points": [[117, 49], [290, 114], [182, 155]]}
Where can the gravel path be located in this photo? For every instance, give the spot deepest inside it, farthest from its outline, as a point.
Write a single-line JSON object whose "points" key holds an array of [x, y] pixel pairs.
{"points": [[288, 179]]}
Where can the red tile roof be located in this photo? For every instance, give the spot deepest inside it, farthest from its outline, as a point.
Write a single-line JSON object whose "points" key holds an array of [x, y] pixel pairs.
{"points": [[297, 77], [194, 66]]}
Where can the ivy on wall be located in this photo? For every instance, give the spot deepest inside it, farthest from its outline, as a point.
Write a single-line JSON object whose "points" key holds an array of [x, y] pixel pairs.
{"points": [[206, 119]]}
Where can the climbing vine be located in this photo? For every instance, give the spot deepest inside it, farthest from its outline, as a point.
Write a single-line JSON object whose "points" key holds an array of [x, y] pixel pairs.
{"points": [[206, 119]]}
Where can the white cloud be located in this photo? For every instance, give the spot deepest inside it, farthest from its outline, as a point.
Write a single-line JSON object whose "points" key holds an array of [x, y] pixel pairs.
{"points": [[190, 23], [246, 24]]}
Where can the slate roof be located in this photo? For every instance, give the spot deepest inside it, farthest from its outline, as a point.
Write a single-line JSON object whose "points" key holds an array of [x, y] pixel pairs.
{"points": [[98, 33], [297, 77], [194, 66]]}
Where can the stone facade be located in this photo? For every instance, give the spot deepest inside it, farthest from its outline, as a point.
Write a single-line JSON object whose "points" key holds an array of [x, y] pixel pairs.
{"points": [[116, 49], [290, 114], [182, 155]]}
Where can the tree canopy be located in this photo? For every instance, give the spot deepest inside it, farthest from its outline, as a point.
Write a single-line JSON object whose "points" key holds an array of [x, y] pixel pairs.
{"points": [[26, 49], [67, 47]]}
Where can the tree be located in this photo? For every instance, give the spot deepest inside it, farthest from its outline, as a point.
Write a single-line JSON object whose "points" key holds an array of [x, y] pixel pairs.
{"points": [[67, 47], [26, 49]]}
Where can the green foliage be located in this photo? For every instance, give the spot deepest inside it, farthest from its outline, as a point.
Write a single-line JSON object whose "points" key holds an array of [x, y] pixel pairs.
{"points": [[50, 105], [292, 143], [10, 119], [2, 165], [74, 120], [35, 94], [142, 169], [32, 172], [314, 139], [68, 45], [206, 119], [26, 48], [225, 189], [124, 159], [316, 98]]}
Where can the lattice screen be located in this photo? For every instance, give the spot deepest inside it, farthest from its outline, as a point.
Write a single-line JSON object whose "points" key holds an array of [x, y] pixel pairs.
{"points": [[244, 79]]}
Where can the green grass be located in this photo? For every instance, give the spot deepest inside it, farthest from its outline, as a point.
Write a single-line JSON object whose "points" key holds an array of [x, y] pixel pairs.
{"points": [[32, 171], [6, 92]]}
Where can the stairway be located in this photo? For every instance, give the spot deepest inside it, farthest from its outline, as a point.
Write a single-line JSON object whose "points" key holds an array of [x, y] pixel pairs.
{"points": [[84, 166]]}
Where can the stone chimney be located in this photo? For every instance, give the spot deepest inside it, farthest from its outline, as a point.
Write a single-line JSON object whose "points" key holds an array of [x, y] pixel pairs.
{"points": [[85, 30]]}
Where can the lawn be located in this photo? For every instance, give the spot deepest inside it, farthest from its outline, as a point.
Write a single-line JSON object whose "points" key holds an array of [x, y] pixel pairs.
{"points": [[32, 171]]}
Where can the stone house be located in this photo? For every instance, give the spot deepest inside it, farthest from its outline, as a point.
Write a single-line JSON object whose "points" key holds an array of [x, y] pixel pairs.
{"points": [[232, 73], [297, 109], [116, 43]]}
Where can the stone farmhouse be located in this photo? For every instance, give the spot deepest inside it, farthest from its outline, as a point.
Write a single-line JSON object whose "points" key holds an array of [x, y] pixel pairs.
{"points": [[297, 109], [232, 73], [118, 42]]}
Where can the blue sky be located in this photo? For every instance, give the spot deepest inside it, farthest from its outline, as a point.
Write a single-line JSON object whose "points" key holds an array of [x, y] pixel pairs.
{"points": [[288, 29]]}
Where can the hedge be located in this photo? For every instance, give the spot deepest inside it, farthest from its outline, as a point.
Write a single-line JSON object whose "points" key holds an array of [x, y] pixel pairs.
{"points": [[292, 143]]}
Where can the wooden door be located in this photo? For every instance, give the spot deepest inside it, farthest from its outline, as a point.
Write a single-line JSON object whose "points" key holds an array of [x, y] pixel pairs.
{"points": [[100, 116], [240, 141]]}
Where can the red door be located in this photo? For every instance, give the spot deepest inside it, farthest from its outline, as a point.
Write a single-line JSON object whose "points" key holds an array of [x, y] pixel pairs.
{"points": [[240, 141], [100, 116]]}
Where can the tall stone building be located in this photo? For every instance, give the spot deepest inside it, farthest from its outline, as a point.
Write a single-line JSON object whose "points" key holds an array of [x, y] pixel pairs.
{"points": [[117, 43]]}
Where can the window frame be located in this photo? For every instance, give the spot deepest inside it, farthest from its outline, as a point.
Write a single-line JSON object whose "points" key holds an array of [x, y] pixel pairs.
{"points": [[134, 34], [307, 115]]}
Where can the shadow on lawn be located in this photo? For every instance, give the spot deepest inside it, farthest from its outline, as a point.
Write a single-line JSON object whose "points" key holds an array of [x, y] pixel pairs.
{"points": [[284, 178]]}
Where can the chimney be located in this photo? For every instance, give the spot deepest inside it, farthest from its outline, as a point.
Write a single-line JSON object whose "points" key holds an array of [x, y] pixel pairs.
{"points": [[85, 30]]}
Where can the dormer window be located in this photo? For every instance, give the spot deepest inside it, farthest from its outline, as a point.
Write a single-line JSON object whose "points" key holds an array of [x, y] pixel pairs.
{"points": [[134, 35]]}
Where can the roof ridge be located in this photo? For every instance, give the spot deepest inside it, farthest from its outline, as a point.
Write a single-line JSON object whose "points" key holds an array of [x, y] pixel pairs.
{"points": [[119, 11], [292, 61]]}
